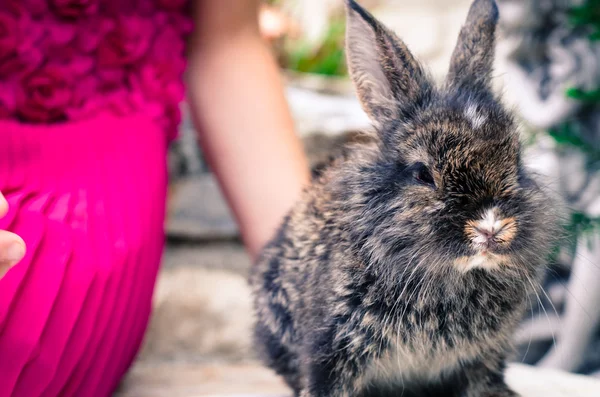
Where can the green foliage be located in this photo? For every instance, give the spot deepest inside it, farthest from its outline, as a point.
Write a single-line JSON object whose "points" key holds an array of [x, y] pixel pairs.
{"points": [[585, 96], [327, 59], [567, 134], [580, 225], [587, 14]]}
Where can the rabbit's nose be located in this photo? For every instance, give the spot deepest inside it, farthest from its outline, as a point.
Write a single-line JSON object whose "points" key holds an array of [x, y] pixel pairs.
{"points": [[485, 238], [485, 234], [491, 230]]}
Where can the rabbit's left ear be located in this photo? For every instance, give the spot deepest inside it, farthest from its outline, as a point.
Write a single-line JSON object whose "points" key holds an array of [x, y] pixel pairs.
{"points": [[472, 61], [386, 75]]}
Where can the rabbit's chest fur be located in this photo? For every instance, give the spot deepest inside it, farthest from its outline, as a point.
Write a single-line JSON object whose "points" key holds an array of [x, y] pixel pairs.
{"points": [[425, 332], [427, 356], [416, 326]]}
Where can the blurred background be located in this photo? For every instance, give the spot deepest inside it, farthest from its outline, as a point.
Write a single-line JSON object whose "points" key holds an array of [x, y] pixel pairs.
{"points": [[548, 68]]}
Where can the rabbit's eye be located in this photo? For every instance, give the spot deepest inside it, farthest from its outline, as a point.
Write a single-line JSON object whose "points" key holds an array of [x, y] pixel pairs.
{"points": [[423, 175]]}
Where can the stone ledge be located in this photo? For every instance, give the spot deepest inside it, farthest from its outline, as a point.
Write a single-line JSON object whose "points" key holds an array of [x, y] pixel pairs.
{"points": [[536, 382], [194, 380], [203, 380]]}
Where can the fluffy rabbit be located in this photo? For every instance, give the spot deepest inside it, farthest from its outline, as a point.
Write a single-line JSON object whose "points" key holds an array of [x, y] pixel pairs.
{"points": [[407, 263]]}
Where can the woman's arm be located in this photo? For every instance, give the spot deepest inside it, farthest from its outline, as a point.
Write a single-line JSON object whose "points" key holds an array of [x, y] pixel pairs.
{"points": [[245, 129]]}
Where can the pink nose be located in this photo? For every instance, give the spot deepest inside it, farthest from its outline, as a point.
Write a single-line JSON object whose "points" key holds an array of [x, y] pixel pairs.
{"points": [[487, 233], [491, 230], [485, 237]]}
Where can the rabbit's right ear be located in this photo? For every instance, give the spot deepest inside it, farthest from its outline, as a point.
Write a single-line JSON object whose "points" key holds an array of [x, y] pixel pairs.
{"points": [[472, 60], [386, 75]]}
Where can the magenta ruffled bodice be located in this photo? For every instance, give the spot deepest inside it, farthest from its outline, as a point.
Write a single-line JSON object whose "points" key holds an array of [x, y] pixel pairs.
{"points": [[68, 60]]}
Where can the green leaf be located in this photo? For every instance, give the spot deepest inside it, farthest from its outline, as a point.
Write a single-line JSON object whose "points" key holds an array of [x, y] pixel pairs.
{"points": [[327, 59]]}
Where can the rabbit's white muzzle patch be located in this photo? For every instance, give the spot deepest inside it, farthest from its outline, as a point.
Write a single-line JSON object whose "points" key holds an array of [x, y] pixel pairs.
{"points": [[492, 230], [487, 234]]}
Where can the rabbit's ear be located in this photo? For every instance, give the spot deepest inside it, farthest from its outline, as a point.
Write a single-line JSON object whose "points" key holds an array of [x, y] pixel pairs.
{"points": [[473, 57], [385, 73]]}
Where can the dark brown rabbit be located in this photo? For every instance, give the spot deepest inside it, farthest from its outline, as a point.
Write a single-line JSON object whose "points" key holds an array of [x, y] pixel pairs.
{"points": [[406, 265]]}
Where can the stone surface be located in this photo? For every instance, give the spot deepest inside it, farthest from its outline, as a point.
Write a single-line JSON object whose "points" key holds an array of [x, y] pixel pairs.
{"points": [[316, 112], [195, 380], [197, 210], [228, 256], [535, 382], [202, 307], [185, 157]]}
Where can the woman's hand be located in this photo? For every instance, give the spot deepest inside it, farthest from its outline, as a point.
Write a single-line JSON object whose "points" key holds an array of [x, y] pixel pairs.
{"points": [[12, 247]]}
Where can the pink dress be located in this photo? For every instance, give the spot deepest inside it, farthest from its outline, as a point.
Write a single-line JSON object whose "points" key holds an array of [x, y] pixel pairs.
{"points": [[89, 95]]}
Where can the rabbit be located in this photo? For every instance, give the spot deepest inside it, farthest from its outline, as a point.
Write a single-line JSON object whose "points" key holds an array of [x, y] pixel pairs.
{"points": [[406, 264]]}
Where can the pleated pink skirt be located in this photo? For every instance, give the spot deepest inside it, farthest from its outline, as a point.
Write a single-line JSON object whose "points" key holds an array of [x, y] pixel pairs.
{"points": [[88, 198]]}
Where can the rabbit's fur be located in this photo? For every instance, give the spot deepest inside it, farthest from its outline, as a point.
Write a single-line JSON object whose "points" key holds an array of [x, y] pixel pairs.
{"points": [[377, 282]]}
